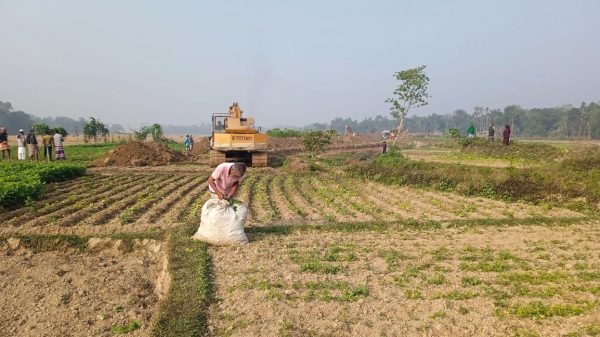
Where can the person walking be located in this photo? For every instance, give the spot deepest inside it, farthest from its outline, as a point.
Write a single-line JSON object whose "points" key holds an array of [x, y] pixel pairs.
{"points": [[506, 135], [191, 142], [48, 143], [4, 147], [491, 133], [223, 183], [471, 131], [59, 151], [384, 147], [32, 145], [21, 145]]}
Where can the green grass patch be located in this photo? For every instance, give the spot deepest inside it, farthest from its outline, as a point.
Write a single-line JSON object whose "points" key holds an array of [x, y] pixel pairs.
{"points": [[184, 311], [535, 278], [320, 267], [86, 153], [123, 329], [540, 310]]}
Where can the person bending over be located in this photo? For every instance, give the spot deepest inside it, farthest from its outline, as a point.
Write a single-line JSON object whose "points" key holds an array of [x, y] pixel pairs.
{"points": [[223, 183]]}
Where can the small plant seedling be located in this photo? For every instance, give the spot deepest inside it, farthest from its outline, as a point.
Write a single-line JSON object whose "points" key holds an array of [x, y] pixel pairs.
{"points": [[123, 329]]}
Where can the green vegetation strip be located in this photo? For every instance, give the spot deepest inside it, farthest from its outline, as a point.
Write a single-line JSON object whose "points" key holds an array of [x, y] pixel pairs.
{"points": [[22, 182], [415, 224], [184, 312]]}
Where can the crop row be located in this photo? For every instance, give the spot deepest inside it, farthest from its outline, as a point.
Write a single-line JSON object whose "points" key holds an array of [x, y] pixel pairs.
{"points": [[325, 198]]}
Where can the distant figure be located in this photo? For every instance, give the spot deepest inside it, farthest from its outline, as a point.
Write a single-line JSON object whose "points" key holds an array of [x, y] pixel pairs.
{"points": [[235, 111], [32, 145], [21, 145], [4, 142], [491, 133], [384, 147], [187, 143], [471, 131], [219, 126], [506, 135], [48, 143], [191, 142], [59, 151]]}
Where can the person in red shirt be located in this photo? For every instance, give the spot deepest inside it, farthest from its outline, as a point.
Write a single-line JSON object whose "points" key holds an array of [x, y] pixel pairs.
{"points": [[223, 183], [506, 135]]}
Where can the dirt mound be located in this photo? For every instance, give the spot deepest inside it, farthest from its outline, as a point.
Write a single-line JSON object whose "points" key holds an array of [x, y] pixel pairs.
{"points": [[201, 146], [137, 153]]}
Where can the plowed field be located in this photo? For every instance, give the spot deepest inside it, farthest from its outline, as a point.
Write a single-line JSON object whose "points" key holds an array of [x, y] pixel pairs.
{"points": [[329, 255]]}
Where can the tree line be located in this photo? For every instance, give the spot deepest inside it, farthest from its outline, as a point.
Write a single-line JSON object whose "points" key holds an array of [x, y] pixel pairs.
{"points": [[581, 122]]}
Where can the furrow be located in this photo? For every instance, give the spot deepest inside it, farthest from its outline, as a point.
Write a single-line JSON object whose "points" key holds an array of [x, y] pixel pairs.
{"points": [[305, 209], [48, 209], [355, 199], [83, 208], [133, 208], [120, 201], [287, 210], [163, 208], [333, 199]]}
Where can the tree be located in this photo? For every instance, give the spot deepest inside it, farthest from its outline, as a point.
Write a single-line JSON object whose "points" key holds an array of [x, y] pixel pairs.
{"points": [[41, 129], [315, 141], [94, 128], [410, 93], [155, 130]]}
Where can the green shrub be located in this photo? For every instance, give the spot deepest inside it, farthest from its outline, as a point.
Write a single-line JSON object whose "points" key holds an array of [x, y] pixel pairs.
{"points": [[285, 133], [21, 182]]}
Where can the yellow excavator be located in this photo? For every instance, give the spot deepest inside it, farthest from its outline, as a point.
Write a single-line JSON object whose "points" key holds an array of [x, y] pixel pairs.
{"points": [[236, 139]]}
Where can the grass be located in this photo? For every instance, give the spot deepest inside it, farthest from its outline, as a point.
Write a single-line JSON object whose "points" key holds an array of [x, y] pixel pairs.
{"points": [[184, 311], [124, 329], [541, 310], [552, 184]]}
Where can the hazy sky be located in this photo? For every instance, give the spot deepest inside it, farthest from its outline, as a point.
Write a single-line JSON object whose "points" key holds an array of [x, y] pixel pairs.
{"points": [[291, 62]]}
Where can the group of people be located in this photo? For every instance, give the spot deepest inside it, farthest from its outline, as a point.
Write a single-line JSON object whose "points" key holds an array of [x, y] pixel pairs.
{"points": [[27, 145], [491, 133], [188, 143]]}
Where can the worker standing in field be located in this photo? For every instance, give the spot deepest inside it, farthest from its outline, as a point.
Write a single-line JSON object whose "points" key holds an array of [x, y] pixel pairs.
{"points": [[384, 147], [471, 131], [48, 143], [32, 145], [224, 182], [191, 143], [59, 151], [21, 145], [491, 133], [506, 135], [4, 142]]}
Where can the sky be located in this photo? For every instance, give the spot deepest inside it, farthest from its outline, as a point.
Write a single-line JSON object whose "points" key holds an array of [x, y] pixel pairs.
{"points": [[291, 63]]}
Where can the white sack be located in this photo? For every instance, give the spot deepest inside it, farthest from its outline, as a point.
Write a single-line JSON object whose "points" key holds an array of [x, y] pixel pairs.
{"points": [[220, 224]]}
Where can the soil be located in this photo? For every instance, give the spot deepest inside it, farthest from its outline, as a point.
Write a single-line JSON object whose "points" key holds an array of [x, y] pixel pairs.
{"points": [[201, 146], [136, 153], [267, 294], [72, 293]]}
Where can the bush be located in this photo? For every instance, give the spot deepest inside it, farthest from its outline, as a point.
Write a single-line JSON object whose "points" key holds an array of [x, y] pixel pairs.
{"points": [[25, 181], [315, 141], [285, 133]]}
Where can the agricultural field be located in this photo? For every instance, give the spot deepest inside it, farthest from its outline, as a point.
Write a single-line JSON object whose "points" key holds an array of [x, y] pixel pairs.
{"points": [[348, 245]]}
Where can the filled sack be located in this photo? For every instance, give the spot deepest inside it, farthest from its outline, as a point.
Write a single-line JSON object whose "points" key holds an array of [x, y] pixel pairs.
{"points": [[222, 223]]}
